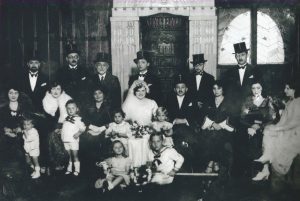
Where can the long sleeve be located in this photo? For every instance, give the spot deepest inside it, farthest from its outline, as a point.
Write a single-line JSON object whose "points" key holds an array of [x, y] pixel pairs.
{"points": [[177, 158]]}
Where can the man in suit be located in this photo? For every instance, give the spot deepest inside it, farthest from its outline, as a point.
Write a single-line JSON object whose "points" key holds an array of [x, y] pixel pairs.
{"points": [[106, 80], [181, 113], [200, 85], [238, 82], [74, 77], [33, 82], [238, 79], [142, 62]]}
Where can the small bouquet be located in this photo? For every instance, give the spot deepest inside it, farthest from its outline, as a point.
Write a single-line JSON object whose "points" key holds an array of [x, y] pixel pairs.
{"points": [[138, 131]]}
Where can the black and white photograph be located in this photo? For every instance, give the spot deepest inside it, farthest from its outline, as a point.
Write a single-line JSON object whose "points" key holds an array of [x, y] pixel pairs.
{"points": [[149, 100]]}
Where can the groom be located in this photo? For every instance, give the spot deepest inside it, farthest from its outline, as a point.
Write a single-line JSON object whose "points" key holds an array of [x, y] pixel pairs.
{"points": [[142, 61]]}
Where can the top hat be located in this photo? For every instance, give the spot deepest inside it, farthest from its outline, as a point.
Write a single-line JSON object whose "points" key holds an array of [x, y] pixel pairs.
{"points": [[198, 59], [180, 79], [33, 55], [102, 57], [142, 55], [71, 47], [240, 47]]}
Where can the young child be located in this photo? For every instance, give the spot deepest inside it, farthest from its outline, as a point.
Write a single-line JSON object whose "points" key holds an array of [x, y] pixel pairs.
{"points": [[162, 125], [165, 161], [72, 128], [31, 146], [116, 168], [119, 129]]}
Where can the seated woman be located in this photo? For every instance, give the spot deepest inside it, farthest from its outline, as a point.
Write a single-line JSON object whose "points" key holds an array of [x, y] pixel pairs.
{"points": [[96, 116], [139, 110], [11, 115], [257, 111], [281, 141], [217, 131], [165, 161], [54, 104]]}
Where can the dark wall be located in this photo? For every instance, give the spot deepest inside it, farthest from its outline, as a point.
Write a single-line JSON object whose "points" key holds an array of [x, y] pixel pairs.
{"points": [[46, 26]]}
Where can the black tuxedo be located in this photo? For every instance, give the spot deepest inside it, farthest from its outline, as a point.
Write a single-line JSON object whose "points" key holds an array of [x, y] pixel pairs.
{"points": [[237, 92], [75, 82], [112, 86], [155, 90], [39, 91], [186, 111]]}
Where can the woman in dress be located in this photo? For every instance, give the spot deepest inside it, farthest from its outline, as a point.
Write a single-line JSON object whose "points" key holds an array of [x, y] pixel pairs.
{"points": [[136, 106], [281, 141], [256, 113], [54, 104], [11, 115], [97, 114], [139, 109], [217, 131]]}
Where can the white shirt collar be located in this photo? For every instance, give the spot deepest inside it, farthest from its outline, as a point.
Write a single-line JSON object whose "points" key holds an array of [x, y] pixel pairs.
{"points": [[143, 73], [100, 76], [72, 67]]}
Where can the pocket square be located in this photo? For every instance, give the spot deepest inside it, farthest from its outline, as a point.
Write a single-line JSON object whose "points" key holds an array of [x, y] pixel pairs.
{"points": [[83, 78], [191, 104], [44, 84], [251, 76]]}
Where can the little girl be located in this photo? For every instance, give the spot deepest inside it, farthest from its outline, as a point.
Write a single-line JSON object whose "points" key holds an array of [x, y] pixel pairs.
{"points": [[162, 125], [116, 168], [119, 129], [72, 128], [31, 146]]}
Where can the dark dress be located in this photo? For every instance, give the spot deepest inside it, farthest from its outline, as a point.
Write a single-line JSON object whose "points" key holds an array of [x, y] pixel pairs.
{"points": [[251, 146], [217, 144], [95, 148]]}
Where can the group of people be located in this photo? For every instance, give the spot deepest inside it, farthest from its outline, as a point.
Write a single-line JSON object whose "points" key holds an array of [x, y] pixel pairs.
{"points": [[78, 121]]}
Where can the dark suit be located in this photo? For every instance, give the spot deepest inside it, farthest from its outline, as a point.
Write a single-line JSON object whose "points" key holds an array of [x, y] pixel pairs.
{"points": [[186, 111], [39, 91], [204, 94], [75, 82], [112, 86], [155, 90], [236, 91]]}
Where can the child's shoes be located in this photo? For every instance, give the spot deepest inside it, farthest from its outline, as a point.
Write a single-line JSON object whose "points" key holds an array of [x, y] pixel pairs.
{"points": [[37, 173]]}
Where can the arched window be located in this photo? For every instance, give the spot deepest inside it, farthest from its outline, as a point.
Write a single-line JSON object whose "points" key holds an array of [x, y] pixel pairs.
{"points": [[270, 46]]}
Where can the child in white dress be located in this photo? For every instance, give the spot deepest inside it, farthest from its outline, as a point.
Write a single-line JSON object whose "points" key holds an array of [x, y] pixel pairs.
{"points": [[32, 146], [162, 125], [119, 129], [116, 168], [72, 128], [166, 161]]}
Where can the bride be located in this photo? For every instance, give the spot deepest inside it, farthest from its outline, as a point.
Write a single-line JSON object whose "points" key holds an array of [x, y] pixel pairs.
{"points": [[281, 142], [136, 106]]}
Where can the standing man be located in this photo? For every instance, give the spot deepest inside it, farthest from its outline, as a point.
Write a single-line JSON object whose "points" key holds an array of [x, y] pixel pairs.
{"points": [[238, 79], [238, 82], [74, 77], [33, 82], [200, 85], [142, 62], [106, 80]]}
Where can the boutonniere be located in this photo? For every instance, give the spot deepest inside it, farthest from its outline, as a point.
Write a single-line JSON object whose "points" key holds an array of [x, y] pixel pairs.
{"points": [[251, 76], [149, 85], [44, 84], [83, 78], [191, 104]]}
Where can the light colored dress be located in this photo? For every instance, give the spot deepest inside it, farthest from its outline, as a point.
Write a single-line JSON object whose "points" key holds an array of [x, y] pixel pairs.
{"points": [[119, 167], [281, 141], [32, 142]]}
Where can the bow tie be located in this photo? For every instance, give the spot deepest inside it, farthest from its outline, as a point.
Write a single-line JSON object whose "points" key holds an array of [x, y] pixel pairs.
{"points": [[70, 119], [33, 74], [13, 113], [242, 67], [199, 73], [142, 75]]}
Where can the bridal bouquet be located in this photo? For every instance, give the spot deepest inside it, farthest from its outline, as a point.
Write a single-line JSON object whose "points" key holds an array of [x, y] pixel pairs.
{"points": [[138, 131]]}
